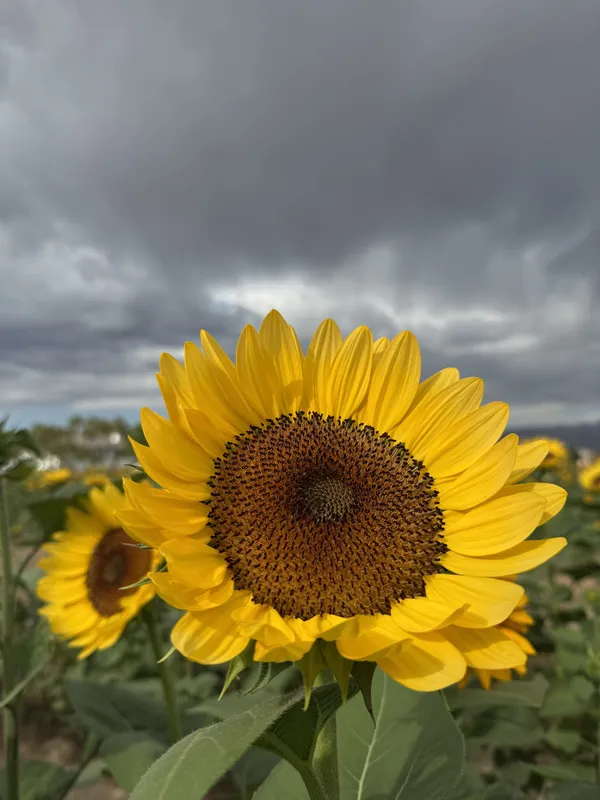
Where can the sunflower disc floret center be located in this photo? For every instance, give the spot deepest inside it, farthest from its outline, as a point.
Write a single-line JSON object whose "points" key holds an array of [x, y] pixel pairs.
{"points": [[114, 563], [319, 515]]}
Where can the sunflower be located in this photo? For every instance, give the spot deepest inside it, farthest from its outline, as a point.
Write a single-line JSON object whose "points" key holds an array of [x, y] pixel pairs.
{"points": [[332, 500], [589, 477], [96, 479], [54, 477], [557, 457], [86, 566], [517, 624]]}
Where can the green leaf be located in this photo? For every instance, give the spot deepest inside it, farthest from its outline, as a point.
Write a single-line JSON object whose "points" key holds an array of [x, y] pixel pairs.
{"points": [[340, 667], [237, 665], [20, 471], [201, 758], [294, 734], [566, 741], [575, 791], [566, 772], [510, 693], [362, 672], [23, 438], [33, 652], [252, 770], [40, 780], [267, 671], [106, 709], [284, 783], [568, 697], [413, 752], [129, 756], [310, 665], [506, 733]]}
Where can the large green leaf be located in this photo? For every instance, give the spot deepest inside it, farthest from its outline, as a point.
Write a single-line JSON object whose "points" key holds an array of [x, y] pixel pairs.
{"points": [[566, 772], [414, 751], [568, 697], [284, 783], [201, 758], [129, 756], [510, 693], [106, 709], [252, 770], [575, 791]]}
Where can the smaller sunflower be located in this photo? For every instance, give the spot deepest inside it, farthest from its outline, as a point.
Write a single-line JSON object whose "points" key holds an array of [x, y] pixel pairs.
{"points": [[96, 479], [589, 477], [557, 457], [86, 565], [514, 627]]}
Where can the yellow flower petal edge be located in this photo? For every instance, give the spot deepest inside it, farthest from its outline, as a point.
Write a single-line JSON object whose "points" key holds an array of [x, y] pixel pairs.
{"points": [[333, 495], [86, 566]]}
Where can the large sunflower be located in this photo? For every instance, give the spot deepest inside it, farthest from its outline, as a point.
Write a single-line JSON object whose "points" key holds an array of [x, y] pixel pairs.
{"points": [[332, 496], [86, 566], [589, 477]]}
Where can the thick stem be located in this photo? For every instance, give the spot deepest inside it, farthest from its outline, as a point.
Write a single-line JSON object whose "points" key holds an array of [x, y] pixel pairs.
{"points": [[165, 674], [10, 725], [325, 756]]}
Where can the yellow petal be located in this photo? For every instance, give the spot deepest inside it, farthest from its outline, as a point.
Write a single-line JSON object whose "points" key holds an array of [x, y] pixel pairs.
{"points": [[203, 429], [394, 383], [482, 479], [217, 393], [429, 420], [141, 529], [59, 591], [529, 458], [369, 635], [168, 511], [184, 458], [280, 653], [422, 614], [193, 562], [281, 341], [208, 637], [153, 467], [323, 626], [263, 389], [554, 496], [523, 557], [215, 353], [490, 601], [175, 410], [264, 623], [322, 350], [350, 373], [435, 383], [485, 648], [467, 440], [519, 640], [497, 525], [180, 595], [426, 664]]}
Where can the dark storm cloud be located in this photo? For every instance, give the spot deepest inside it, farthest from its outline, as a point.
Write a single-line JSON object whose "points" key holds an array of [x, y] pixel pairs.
{"points": [[215, 143]]}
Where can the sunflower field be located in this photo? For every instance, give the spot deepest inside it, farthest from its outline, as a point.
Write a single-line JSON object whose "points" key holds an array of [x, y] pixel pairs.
{"points": [[323, 576]]}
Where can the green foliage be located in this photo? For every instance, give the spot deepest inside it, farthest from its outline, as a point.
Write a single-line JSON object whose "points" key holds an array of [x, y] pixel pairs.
{"points": [[413, 751]]}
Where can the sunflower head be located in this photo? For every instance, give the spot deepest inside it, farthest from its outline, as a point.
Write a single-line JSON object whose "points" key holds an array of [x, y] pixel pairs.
{"points": [[55, 477], [333, 500], [589, 477], [86, 567], [96, 479]]}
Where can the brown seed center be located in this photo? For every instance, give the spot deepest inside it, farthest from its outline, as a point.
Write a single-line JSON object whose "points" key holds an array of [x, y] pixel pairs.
{"points": [[115, 563], [320, 515]]}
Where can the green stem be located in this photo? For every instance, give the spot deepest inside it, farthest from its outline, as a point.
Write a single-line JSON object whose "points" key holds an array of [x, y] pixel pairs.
{"points": [[325, 756], [165, 674], [598, 734], [9, 712]]}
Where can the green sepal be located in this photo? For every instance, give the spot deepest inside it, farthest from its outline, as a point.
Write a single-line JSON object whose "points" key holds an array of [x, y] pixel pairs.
{"points": [[340, 667], [310, 665], [267, 671], [237, 665], [363, 672]]}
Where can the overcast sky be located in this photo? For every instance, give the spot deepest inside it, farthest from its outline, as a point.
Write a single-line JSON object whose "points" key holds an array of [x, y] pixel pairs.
{"points": [[422, 164]]}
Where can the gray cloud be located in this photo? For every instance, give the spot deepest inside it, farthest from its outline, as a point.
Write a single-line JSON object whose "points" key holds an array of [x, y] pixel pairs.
{"points": [[425, 164]]}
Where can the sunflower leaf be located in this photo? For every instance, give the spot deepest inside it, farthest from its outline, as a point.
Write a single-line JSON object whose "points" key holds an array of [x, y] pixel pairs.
{"points": [[414, 751], [200, 759], [237, 665], [267, 672]]}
